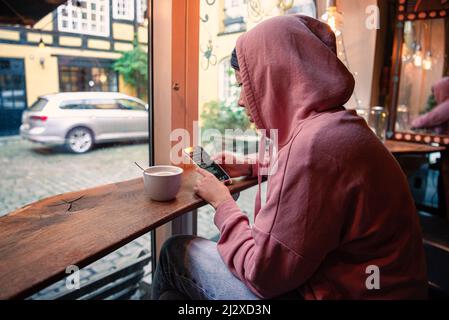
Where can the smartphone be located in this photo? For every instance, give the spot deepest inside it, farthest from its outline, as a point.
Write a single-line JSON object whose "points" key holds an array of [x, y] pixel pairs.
{"points": [[201, 158]]}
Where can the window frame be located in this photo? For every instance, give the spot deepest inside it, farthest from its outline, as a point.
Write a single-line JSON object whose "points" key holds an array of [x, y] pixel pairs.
{"points": [[89, 11], [173, 31], [112, 84], [140, 10], [123, 9], [227, 88], [232, 22]]}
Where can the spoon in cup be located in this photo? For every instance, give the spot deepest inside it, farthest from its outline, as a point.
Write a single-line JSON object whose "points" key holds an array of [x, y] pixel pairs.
{"points": [[139, 166]]}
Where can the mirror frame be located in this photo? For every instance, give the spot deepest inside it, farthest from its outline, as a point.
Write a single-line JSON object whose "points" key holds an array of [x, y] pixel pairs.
{"points": [[411, 10]]}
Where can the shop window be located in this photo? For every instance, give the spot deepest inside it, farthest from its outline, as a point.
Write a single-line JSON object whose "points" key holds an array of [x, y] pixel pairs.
{"points": [[85, 75], [234, 16]]}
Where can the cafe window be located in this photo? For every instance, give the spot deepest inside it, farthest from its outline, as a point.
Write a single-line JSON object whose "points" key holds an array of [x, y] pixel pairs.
{"points": [[87, 75], [305, 7], [117, 138], [227, 85], [234, 15], [123, 9], [84, 17]]}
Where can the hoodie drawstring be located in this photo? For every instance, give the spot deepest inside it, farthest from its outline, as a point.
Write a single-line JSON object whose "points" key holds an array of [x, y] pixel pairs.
{"points": [[260, 164]]}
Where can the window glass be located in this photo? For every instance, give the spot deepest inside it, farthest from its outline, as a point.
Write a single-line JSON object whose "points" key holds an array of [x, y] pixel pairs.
{"points": [[131, 105], [39, 105], [141, 10], [73, 55], [76, 105], [87, 76], [234, 15], [222, 121], [104, 104], [228, 89], [82, 17], [123, 9]]}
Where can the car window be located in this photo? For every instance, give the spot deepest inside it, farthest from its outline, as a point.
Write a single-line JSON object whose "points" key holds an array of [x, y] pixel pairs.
{"points": [[131, 105], [104, 104], [39, 105], [76, 105]]}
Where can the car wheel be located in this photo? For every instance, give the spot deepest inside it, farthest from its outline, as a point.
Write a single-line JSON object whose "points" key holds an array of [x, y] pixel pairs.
{"points": [[79, 140]]}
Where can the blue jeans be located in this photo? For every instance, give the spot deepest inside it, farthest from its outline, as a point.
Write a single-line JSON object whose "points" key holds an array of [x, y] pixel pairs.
{"points": [[191, 268]]}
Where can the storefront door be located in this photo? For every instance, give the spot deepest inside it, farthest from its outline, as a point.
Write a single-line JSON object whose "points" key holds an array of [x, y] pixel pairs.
{"points": [[12, 95]]}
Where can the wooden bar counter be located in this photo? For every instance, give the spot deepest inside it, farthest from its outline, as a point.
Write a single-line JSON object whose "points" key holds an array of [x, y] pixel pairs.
{"points": [[38, 241]]}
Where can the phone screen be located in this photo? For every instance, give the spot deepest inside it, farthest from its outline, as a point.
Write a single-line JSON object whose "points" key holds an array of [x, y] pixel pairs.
{"points": [[203, 160]]}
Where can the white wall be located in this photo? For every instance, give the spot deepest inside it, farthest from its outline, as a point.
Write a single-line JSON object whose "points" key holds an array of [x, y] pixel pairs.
{"points": [[360, 45]]}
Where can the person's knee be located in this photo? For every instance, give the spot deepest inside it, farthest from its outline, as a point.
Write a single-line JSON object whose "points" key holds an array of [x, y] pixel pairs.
{"points": [[176, 245]]}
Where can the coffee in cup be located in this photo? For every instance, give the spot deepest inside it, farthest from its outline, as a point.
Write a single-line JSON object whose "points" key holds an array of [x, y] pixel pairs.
{"points": [[162, 183]]}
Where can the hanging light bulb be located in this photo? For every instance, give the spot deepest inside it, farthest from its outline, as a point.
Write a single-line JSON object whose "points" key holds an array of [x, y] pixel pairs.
{"points": [[405, 53], [427, 63], [332, 17], [418, 57]]}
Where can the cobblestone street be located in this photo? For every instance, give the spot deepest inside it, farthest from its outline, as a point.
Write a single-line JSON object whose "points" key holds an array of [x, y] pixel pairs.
{"points": [[30, 172]]}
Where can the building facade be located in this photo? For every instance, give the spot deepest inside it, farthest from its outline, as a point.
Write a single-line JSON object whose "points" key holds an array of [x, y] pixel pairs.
{"points": [[71, 49]]}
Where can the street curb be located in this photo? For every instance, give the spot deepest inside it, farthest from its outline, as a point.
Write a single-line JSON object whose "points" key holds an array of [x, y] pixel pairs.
{"points": [[10, 139]]}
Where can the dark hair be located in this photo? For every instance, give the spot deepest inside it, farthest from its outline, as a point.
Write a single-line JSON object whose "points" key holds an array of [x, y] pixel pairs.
{"points": [[234, 60]]}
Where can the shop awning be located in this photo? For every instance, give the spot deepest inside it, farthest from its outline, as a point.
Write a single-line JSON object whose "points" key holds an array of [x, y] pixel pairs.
{"points": [[26, 12]]}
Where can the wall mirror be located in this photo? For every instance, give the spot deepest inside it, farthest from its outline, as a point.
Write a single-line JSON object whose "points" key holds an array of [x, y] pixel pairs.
{"points": [[420, 97]]}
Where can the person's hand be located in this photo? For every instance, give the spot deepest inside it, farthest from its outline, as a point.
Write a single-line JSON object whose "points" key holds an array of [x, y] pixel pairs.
{"points": [[233, 165], [211, 189]]}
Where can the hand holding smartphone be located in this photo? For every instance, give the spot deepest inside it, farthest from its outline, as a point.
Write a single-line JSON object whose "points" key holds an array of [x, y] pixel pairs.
{"points": [[201, 158]]}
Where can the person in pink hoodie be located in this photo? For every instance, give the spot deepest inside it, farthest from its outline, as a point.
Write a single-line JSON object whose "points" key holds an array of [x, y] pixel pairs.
{"points": [[339, 221], [437, 120]]}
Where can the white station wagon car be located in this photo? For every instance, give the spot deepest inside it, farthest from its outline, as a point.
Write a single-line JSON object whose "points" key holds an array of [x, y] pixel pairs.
{"points": [[78, 120]]}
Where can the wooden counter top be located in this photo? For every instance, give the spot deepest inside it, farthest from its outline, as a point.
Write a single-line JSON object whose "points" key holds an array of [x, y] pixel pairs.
{"points": [[38, 241]]}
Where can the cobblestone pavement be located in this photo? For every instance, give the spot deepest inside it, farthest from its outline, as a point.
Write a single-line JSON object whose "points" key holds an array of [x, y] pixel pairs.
{"points": [[31, 172]]}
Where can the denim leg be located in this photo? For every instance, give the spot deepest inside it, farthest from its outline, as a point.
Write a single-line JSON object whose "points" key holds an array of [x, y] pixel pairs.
{"points": [[191, 268]]}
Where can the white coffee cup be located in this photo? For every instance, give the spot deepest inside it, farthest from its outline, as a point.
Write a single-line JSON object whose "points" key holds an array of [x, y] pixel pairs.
{"points": [[162, 183]]}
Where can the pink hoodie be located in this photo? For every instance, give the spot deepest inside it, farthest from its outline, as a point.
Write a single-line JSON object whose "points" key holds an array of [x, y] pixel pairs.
{"points": [[438, 118], [339, 201]]}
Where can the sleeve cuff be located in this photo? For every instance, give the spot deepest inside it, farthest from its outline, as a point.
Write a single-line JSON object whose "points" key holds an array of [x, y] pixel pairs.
{"points": [[224, 211]]}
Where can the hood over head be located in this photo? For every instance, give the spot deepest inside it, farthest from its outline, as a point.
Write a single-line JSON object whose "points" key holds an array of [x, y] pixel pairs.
{"points": [[441, 90], [290, 71]]}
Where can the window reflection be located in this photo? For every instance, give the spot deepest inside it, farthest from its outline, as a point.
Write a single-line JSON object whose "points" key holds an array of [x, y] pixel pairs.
{"points": [[423, 62]]}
